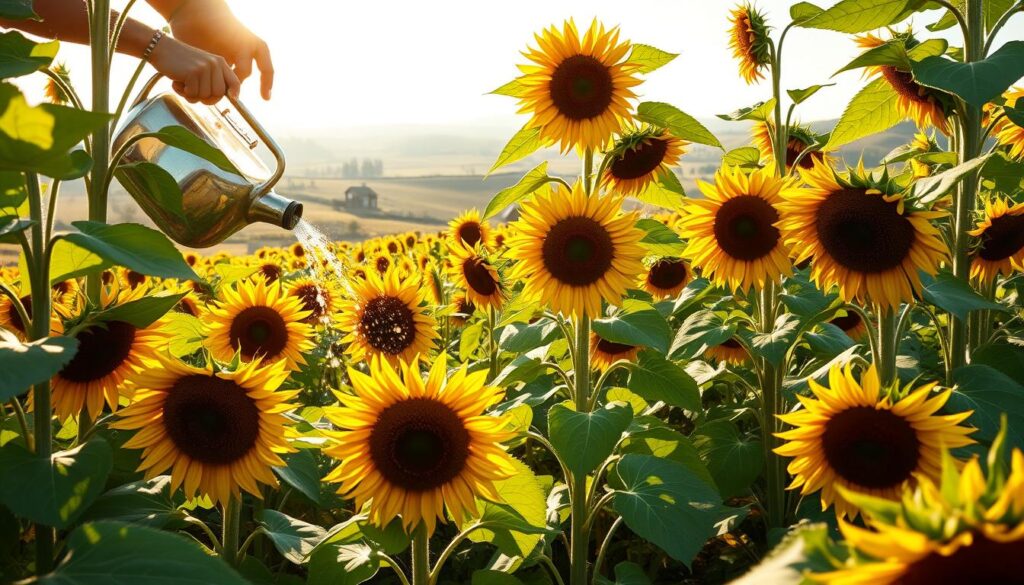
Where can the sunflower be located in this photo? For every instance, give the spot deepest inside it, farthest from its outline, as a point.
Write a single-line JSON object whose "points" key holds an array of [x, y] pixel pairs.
{"points": [[852, 325], [258, 320], [604, 353], [922, 144], [915, 102], [1007, 132], [478, 277], [800, 139], [732, 232], [1001, 235], [968, 529], [867, 439], [729, 351], [386, 319], [666, 277], [749, 41], [464, 309], [578, 89], [270, 271], [415, 447], [11, 320], [859, 238], [108, 353], [469, 230], [214, 431], [53, 91], [641, 157], [320, 300], [574, 250]]}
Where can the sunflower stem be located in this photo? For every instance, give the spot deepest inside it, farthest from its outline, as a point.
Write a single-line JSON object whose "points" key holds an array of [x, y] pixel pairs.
{"points": [[420, 555], [229, 535], [967, 193], [772, 405], [887, 346], [588, 169], [99, 41], [580, 531], [40, 281], [19, 415], [492, 344]]}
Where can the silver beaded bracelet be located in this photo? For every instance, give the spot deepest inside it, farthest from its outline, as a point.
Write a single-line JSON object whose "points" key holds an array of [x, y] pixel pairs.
{"points": [[159, 34]]}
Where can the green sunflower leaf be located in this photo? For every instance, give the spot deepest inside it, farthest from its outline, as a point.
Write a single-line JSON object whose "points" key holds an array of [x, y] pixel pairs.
{"points": [[141, 312], [636, 323], [531, 182], [802, 11], [133, 246], [666, 191], [857, 16], [17, 10], [23, 364], [872, 110], [954, 295], [679, 123], [20, 56], [928, 189], [976, 83], [343, 564], [292, 537], [521, 145], [650, 58], [514, 88], [660, 239], [800, 95], [655, 378], [518, 523], [583, 440], [744, 156], [989, 393], [759, 112], [734, 461]]}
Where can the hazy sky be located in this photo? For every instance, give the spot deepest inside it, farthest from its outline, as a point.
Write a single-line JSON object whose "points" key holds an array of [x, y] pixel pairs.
{"points": [[343, 63]]}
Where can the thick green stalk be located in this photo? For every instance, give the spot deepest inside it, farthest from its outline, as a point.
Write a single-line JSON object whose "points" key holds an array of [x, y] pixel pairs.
{"points": [[771, 399], [99, 39], [40, 273], [580, 532], [420, 556], [970, 147], [229, 530], [887, 346]]}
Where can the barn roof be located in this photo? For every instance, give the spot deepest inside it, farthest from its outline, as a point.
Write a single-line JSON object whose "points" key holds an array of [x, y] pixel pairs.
{"points": [[360, 190]]}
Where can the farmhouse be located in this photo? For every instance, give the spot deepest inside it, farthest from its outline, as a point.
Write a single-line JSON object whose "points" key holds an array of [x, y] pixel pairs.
{"points": [[361, 197]]}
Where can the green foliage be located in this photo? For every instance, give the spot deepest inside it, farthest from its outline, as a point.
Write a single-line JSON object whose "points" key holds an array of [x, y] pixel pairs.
{"points": [[665, 191], [114, 553], [649, 58], [133, 246], [679, 123], [954, 295], [660, 239], [20, 56], [149, 503], [734, 461], [856, 16], [744, 156], [521, 145], [17, 10], [583, 440], [517, 525], [343, 564], [989, 393], [53, 491], [531, 182], [799, 96], [636, 323], [979, 82], [872, 110], [667, 504], [656, 378], [292, 537], [301, 473], [758, 112], [23, 364], [141, 312]]}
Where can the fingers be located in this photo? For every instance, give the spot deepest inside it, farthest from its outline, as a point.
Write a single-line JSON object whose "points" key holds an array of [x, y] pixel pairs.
{"points": [[205, 79], [232, 83], [243, 65], [266, 66]]}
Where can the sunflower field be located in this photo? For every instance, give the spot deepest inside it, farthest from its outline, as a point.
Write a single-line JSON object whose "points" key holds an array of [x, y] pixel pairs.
{"points": [[811, 371]]}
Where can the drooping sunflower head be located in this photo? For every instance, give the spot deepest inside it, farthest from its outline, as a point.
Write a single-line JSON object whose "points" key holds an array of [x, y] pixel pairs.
{"points": [[10, 317], [463, 309], [641, 157], [319, 299], [387, 319], [213, 431], [925, 106], [574, 250], [860, 236], [800, 139], [257, 319], [750, 41], [851, 323], [967, 527], [666, 277], [604, 353], [108, 353], [1000, 236], [414, 447], [578, 88], [729, 351], [1007, 132], [477, 276], [864, 438], [732, 232], [54, 93]]}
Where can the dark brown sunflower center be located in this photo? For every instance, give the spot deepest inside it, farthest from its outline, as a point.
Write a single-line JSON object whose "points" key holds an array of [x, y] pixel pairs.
{"points": [[298, 251], [983, 562], [745, 227], [731, 344], [479, 277], [187, 306], [393, 247], [581, 87], [847, 321], [864, 232], [871, 447], [640, 161], [612, 348], [469, 232], [259, 331], [793, 150], [270, 271], [15, 318], [382, 264], [135, 279], [419, 444], [211, 420], [578, 251], [667, 273], [101, 349], [313, 300], [464, 307], [903, 83], [388, 325], [1004, 238]]}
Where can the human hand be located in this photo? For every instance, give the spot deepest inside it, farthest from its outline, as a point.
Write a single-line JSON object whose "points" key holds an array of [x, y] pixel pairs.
{"points": [[197, 75], [210, 25]]}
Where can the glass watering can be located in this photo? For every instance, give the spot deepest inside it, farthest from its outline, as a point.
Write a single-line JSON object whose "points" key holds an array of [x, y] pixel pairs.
{"points": [[216, 203]]}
